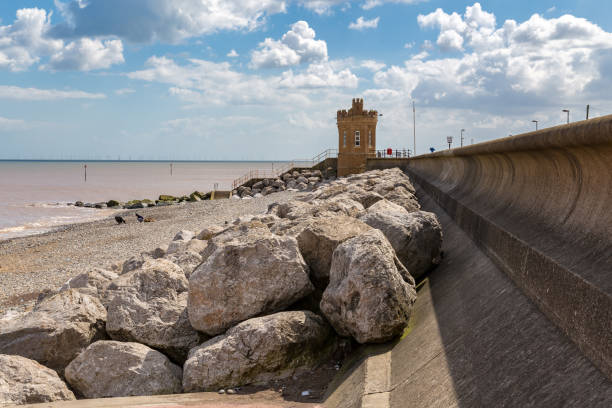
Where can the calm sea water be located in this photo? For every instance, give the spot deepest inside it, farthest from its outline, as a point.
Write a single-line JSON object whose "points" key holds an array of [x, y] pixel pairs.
{"points": [[34, 194]]}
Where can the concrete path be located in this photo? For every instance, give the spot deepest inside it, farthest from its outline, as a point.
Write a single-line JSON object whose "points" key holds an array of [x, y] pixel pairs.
{"points": [[265, 399]]}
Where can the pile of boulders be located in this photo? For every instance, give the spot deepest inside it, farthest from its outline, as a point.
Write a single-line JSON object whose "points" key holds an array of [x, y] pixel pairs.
{"points": [[304, 180], [163, 200], [264, 298]]}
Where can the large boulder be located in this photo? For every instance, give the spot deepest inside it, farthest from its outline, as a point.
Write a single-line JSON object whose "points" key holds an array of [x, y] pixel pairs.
{"points": [[259, 350], [415, 236], [368, 296], [94, 283], [255, 273], [56, 330], [299, 209], [319, 238], [24, 381], [150, 307], [116, 369], [401, 196], [187, 260]]}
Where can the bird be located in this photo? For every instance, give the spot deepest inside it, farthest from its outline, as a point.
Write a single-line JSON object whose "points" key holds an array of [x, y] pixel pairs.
{"points": [[139, 217], [119, 220]]}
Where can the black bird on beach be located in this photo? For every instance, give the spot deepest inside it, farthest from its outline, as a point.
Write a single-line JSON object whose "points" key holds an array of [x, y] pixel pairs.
{"points": [[139, 217], [119, 220]]}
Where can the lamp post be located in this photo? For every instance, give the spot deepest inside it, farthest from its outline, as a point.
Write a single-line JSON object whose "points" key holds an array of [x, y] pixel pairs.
{"points": [[566, 111], [449, 140], [462, 130], [536, 122]]}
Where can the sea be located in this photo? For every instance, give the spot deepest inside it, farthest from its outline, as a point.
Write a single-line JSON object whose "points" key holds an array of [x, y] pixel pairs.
{"points": [[35, 195]]}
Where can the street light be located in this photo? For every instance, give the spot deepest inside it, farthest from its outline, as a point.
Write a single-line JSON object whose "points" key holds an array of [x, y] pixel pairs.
{"points": [[567, 111], [449, 140], [462, 130], [536, 122]]}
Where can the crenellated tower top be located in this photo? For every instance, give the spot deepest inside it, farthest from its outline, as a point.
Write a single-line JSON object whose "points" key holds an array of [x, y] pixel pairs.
{"points": [[356, 111]]}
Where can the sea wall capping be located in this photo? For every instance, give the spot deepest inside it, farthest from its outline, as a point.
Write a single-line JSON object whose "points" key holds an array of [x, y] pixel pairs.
{"points": [[583, 133]]}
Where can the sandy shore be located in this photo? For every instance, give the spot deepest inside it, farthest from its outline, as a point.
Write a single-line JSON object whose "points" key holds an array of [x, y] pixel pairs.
{"points": [[29, 265]]}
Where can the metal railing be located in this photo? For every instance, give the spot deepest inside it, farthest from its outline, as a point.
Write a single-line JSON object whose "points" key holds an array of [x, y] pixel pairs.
{"points": [[391, 154], [263, 174]]}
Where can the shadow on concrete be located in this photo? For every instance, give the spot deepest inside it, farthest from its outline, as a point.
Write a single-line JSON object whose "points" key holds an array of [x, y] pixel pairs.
{"points": [[478, 341]]}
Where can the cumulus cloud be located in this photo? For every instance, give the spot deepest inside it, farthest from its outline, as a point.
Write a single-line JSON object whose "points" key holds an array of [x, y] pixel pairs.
{"points": [[232, 54], [319, 76], [28, 41], [87, 54], [373, 65], [541, 59], [296, 46], [361, 24], [206, 83], [161, 20], [35, 94]]}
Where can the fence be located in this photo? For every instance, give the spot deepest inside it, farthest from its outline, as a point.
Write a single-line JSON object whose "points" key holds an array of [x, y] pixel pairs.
{"points": [[262, 174], [391, 153]]}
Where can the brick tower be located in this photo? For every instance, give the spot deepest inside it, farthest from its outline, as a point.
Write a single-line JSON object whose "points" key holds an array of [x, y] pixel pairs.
{"points": [[356, 138]]}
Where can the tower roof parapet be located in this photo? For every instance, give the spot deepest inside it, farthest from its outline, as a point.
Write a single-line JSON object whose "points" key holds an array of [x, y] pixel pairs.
{"points": [[357, 111]]}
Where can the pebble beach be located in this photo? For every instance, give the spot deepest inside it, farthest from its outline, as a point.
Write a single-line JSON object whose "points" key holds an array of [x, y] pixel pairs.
{"points": [[30, 265]]}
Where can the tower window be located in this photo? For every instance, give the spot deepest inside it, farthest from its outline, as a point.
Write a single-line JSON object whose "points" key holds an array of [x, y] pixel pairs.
{"points": [[344, 141], [369, 138], [357, 138]]}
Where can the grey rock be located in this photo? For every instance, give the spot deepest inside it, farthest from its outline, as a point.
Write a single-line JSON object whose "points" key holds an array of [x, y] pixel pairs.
{"points": [[24, 381], [401, 196], [259, 350], [302, 180], [258, 186], [93, 283], [209, 232], [56, 330], [367, 296], [320, 237], [256, 272], [184, 235], [133, 263], [278, 183], [117, 369], [415, 236], [158, 252], [149, 306], [187, 260], [268, 190]]}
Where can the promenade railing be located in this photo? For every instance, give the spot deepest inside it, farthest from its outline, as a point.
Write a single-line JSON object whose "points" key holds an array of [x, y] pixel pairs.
{"points": [[297, 163]]}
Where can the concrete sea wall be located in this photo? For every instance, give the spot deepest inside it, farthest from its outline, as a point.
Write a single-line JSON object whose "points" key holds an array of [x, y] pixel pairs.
{"points": [[538, 205]]}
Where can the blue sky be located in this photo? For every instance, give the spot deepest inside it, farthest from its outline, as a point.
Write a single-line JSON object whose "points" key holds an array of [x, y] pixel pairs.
{"points": [[262, 79]]}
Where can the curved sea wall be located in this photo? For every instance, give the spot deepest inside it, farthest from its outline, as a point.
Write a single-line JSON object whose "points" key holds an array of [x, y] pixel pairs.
{"points": [[539, 205]]}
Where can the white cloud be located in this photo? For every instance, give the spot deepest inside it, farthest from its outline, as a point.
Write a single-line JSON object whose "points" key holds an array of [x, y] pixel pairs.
{"points": [[369, 4], [86, 54], [551, 9], [7, 124], [296, 46], [232, 54], [27, 41], [373, 65], [537, 62], [162, 20], [361, 24], [35, 94], [124, 91], [320, 75], [322, 6]]}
